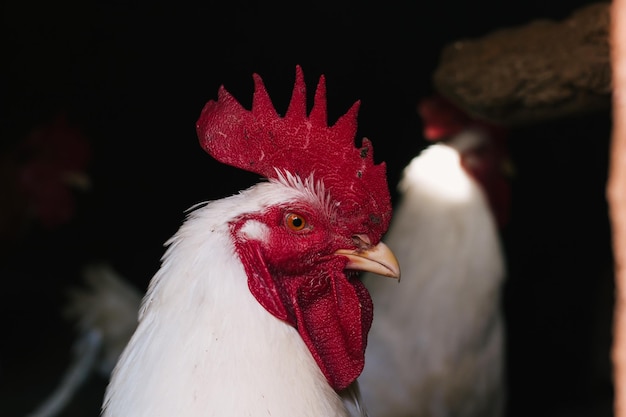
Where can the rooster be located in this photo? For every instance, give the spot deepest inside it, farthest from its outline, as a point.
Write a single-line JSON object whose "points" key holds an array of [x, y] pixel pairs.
{"points": [[257, 308], [38, 179], [436, 347]]}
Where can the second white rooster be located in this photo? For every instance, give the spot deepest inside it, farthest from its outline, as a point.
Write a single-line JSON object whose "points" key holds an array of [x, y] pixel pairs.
{"points": [[436, 347]]}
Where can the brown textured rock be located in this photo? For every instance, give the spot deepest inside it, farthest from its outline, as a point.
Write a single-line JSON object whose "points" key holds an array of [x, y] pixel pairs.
{"points": [[540, 71]]}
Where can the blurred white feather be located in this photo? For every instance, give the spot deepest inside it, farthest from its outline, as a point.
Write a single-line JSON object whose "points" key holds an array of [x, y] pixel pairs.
{"points": [[105, 313]]}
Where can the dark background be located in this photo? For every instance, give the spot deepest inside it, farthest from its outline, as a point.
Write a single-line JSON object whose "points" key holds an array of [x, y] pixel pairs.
{"points": [[134, 77]]}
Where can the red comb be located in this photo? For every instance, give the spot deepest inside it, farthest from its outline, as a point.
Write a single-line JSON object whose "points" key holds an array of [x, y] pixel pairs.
{"points": [[261, 141], [441, 118]]}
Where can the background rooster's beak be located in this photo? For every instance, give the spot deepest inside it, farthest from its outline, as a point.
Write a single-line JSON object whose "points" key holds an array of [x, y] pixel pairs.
{"points": [[77, 180], [376, 259]]}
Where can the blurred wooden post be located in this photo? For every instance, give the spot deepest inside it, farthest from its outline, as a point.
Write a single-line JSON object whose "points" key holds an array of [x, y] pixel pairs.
{"points": [[616, 195]]}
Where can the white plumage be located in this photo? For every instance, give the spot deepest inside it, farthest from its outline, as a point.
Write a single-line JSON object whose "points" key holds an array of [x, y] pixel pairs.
{"points": [[204, 342], [436, 344], [105, 312], [257, 309]]}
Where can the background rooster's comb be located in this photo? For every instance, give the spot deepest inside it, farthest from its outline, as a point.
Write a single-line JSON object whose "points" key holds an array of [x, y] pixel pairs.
{"points": [[260, 140]]}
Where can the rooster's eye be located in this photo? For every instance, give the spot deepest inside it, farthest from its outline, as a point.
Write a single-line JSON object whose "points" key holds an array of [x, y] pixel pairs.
{"points": [[295, 222]]}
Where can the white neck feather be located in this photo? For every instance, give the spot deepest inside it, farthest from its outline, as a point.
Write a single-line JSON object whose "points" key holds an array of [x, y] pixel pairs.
{"points": [[204, 345]]}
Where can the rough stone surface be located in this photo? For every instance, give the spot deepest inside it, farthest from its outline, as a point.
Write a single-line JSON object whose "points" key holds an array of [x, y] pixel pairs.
{"points": [[522, 75]]}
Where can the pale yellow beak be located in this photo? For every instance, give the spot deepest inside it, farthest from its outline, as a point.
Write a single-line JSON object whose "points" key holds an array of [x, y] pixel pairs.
{"points": [[377, 259], [77, 180]]}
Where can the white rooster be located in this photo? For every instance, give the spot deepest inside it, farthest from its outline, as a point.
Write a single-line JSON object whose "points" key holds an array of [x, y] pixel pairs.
{"points": [[436, 348], [257, 309]]}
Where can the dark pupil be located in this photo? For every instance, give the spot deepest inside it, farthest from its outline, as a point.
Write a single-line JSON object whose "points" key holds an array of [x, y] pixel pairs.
{"points": [[297, 222]]}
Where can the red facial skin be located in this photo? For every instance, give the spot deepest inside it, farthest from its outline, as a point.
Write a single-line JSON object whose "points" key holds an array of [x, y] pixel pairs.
{"points": [[296, 276]]}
